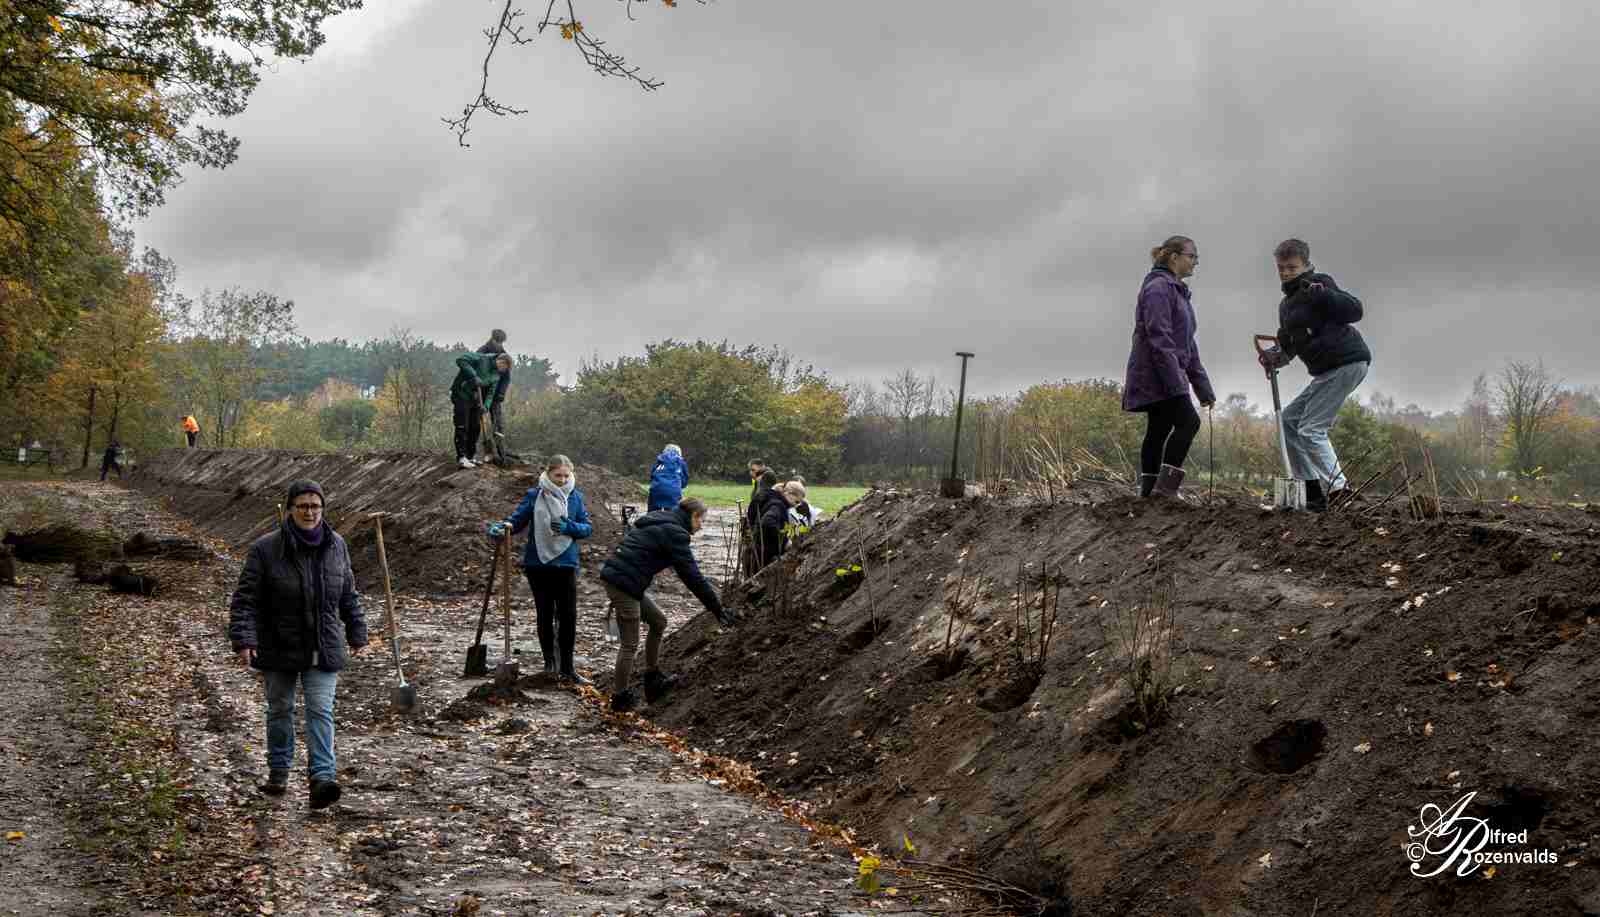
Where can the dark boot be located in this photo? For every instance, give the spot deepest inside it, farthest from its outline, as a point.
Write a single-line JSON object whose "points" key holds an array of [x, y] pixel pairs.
{"points": [[569, 673], [1316, 500], [1147, 483], [1168, 482], [624, 702], [657, 686], [324, 793], [277, 783]]}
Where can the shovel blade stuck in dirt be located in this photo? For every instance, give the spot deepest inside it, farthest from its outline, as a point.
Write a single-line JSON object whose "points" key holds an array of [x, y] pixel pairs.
{"points": [[1287, 491], [403, 698], [477, 662], [478, 653]]}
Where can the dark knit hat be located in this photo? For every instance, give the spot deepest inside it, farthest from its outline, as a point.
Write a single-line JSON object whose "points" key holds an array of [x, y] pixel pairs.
{"points": [[304, 487]]}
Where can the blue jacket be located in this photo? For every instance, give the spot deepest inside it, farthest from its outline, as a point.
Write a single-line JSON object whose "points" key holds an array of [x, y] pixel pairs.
{"points": [[578, 527], [667, 481]]}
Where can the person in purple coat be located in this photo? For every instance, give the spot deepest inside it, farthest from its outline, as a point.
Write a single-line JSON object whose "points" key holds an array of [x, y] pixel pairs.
{"points": [[1163, 365]]}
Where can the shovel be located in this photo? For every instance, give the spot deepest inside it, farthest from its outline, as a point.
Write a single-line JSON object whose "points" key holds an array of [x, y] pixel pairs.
{"points": [[402, 697], [1287, 492], [505, 674], [478, 652]]}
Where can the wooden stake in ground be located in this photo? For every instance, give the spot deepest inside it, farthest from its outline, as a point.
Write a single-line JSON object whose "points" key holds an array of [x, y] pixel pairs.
{"points": [[402, 697]]}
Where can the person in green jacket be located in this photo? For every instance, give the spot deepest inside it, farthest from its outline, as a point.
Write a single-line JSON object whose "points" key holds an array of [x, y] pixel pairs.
{"points": [[470, 395]]}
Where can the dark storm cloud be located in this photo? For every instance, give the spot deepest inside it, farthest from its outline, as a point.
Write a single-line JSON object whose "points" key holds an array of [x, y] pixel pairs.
{"points": [[873, 187]]}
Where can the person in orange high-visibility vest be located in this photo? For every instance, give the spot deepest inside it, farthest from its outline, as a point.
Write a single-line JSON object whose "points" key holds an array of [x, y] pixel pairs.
{"points": [[191, 429]]}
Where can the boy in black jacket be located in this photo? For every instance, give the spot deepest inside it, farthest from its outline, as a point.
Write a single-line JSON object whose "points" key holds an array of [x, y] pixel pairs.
{"points": [[1316, 322], [657, 541]]}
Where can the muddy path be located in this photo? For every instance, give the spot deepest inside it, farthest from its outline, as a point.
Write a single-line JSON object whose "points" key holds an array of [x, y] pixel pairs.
{"points": [[547, 806]]}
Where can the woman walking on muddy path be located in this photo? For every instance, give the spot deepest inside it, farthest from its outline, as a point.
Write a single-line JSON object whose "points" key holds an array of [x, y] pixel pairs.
{"points": [[1163, 365], [293, 611], [555, 510]]}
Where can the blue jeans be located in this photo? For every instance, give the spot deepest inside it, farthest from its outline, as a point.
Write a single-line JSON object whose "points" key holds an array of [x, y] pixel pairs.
{"points": [[317, 686], [1309, 417]]}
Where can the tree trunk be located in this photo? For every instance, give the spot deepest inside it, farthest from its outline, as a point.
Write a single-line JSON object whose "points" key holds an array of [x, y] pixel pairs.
{"points": [[88, 428], [116, 410]]}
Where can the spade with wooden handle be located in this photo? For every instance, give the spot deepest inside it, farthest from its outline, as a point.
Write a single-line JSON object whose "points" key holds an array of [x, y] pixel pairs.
{"points": [[402, 697], [505, 674], [478, 652]]}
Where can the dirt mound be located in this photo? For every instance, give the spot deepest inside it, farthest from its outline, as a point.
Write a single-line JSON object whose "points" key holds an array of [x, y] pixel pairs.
{"points": [[434, 538], [1326, 678]]}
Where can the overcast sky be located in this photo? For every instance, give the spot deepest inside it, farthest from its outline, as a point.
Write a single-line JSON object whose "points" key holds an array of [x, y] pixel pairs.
{"points": [[877, 185]]}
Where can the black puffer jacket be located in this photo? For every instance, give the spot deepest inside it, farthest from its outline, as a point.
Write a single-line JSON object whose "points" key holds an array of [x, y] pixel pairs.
{"points": [[774, 518], [657, 541], [1317, 325], [276, 608]]}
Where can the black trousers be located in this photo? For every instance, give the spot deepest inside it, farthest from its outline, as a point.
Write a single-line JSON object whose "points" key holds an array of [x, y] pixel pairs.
{"points": [[1172, 425], [192, 437], [555, 596], [468, 419]]}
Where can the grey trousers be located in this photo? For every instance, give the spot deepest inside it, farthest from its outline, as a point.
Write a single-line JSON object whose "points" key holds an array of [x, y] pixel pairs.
{"points": [[629, 611], [1309, 417]]}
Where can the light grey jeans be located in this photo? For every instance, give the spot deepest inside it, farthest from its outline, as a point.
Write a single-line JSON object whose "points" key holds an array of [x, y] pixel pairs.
{"points": [[1309, 417]]}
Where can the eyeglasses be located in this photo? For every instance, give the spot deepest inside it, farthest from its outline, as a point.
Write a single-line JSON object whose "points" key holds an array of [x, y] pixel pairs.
{"points": [[307, 507]]}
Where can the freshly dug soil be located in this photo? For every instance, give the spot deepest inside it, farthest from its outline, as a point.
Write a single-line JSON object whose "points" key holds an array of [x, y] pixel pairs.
{"points": [[434, 538], [1329, 677]]}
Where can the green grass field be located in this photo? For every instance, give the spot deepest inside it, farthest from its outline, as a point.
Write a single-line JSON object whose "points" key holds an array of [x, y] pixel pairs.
{"points": [[723, 493]]}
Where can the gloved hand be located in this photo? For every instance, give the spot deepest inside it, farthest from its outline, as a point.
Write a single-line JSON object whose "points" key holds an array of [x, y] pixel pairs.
{"points": [[498, 530], [723, 615], [558, 524], [1292, 341], [1274, 358], [486, 407]]}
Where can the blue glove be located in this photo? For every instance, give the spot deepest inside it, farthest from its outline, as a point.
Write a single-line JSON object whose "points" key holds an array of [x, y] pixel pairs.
{"points": [[498, 530]]}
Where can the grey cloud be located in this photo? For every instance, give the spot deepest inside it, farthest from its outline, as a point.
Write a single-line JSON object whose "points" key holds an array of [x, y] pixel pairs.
{"points": [[873, 186]]}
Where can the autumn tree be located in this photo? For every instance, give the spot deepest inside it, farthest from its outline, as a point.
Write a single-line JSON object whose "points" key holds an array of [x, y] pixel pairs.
{"points": [[1527, 399], [904, 393], [137, 87], [219, 367], [110, 363], [414, 393]]}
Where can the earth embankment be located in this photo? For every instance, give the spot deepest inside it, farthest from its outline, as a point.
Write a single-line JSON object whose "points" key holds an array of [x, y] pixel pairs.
{"points": [[1324, 678]]}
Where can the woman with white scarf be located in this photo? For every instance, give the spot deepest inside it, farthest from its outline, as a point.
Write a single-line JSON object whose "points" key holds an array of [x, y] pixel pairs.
{"points": [[556, 512]]}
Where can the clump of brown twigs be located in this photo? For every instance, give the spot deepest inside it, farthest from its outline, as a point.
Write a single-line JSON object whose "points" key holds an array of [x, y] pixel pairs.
{"points": [[1033, 635], [959, 603]]}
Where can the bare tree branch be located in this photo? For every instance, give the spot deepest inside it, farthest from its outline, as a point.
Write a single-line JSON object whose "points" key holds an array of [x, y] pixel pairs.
{"points": [[594, 52]]}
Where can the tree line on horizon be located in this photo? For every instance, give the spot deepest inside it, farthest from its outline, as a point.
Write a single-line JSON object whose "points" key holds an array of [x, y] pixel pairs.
{"points": [[133, 355]]}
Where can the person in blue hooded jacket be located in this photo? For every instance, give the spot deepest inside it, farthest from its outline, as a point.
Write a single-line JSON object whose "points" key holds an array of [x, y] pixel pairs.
{"points": [[668, 479], [555, 511]]}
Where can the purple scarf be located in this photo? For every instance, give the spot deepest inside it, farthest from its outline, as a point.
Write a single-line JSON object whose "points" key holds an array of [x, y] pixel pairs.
{"points": [[311, 539]]}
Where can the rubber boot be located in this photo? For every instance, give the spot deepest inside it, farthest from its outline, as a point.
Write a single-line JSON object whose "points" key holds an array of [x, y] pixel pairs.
{"points": [[1316, 500], [657, 686], [569, 673], [1147, 483], [624, 701], [1168, 482]]}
